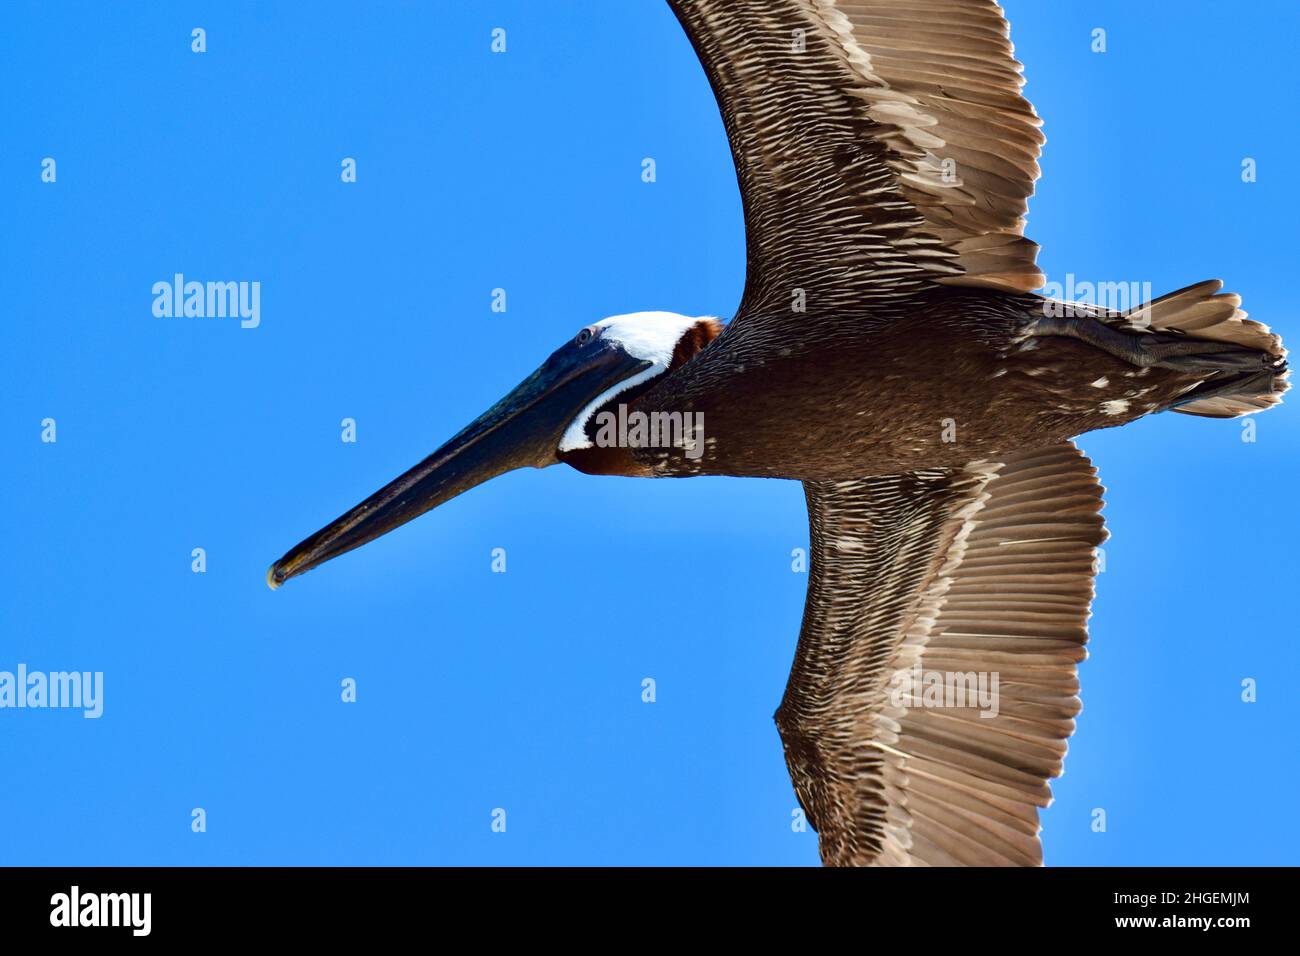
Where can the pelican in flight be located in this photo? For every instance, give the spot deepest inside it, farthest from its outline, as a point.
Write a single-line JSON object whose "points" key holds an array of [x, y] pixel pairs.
{"points": [[889, 353]]}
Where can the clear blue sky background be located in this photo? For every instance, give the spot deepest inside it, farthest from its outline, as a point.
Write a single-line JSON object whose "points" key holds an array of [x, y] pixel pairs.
{"points": [[523, 690]]}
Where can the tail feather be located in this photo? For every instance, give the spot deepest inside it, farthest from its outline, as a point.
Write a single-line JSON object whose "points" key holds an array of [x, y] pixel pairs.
{"points": [[1233, 397], [1201, 311]]}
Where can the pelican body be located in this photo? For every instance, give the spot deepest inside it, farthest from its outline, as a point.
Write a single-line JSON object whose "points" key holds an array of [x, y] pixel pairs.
{"points": [[889, 353]]}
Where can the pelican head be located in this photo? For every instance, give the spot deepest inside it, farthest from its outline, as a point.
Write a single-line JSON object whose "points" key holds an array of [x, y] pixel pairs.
{"points": [[545, 419]]}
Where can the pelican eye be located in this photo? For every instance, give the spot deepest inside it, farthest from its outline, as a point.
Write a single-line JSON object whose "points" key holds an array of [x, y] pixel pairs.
{"points": [[584, 336]]}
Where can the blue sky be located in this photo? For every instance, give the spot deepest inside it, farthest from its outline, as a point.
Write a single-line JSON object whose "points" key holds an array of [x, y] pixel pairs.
{"points": [[522, 690]]}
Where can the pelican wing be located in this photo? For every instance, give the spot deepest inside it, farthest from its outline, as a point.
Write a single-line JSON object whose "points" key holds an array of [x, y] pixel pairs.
{"points": [[922, 586], [880, 144]]}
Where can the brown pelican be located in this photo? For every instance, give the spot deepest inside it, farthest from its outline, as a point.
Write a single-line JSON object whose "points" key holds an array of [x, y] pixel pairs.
{"points": [[888, 352]]}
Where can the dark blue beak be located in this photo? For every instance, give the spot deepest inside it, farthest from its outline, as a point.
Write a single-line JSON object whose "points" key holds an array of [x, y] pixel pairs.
{"points": [[523, 429]]}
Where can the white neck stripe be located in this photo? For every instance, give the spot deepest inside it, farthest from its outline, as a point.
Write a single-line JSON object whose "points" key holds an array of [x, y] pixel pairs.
{"points": [[575, 436], [649, 336]]}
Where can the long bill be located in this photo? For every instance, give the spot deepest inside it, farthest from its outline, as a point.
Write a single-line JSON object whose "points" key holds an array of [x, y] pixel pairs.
{"points": [[523, 429]]}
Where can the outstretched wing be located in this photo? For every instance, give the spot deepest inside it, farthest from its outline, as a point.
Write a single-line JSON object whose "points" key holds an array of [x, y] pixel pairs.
{"points": [[880, 144], [925, 587]]}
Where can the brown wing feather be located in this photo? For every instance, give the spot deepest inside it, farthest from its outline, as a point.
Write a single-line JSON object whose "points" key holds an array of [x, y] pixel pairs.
{"points": [[880, 145], [988, 569]]}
